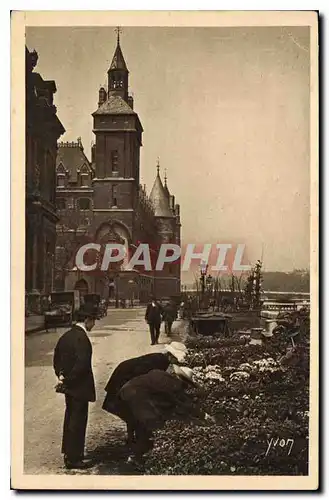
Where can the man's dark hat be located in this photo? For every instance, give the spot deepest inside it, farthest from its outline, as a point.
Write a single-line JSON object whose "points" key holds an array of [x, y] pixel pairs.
{"points": [[87, 311]]}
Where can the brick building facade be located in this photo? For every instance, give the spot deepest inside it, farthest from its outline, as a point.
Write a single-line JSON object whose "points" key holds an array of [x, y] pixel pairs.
{"points": [[43, 128], [102, 201]]}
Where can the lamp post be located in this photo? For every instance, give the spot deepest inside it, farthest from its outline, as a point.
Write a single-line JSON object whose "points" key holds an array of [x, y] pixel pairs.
{"points": [[209, 282], [117, 290], [132, 283], [203, 272], [52, 271]]}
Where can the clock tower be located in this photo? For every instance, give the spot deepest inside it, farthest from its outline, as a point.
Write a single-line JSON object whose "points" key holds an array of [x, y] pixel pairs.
{"points": [[116, 154]]}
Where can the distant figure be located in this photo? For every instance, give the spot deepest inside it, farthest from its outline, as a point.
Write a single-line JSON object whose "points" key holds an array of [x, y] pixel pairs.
{"points": [[45, 304], [153, 317], [169, 315], [182, 310]]}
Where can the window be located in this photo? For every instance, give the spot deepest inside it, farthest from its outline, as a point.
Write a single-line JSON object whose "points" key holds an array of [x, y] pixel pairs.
{"points": [[70, 203], [61, 169], [84, 204], [114, 195], [114, 161], [84, 179], [117, 82], [60, 181], [60, 204]]}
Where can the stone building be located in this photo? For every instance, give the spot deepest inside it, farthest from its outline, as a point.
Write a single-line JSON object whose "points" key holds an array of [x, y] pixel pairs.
{"points": [[43, 128], [102, 200]]}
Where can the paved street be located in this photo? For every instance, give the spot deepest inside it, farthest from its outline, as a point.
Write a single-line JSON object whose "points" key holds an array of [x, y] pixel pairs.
{"points": [[120, 335]]}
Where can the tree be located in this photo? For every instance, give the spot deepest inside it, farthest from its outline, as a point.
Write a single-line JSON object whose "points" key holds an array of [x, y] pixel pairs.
{"points": [[257, 285], [253, 287]]}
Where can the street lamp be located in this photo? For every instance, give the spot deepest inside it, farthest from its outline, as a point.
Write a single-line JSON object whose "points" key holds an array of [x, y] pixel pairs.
{"points": [[116, 290], [209, 281], [203, 271], [132, 283]]}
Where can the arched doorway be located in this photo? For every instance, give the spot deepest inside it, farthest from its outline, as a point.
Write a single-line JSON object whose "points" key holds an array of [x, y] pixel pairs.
{"points": [[113, 232], [82, 286]]}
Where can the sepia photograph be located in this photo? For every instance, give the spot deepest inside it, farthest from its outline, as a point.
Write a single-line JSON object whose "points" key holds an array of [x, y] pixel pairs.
{"points": [[165, 230]]}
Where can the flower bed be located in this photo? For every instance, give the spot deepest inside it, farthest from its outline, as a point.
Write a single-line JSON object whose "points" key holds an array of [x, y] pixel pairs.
{"points": [[259, 398]]}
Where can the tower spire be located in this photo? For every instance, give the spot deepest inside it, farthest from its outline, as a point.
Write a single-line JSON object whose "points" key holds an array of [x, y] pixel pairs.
{"points": [[159, 197], [118, 72], [165, 184], [118, 31]]}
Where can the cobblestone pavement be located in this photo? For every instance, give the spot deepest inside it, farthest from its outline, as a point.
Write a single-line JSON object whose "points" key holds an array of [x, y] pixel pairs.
{"points": [[120, 335]]}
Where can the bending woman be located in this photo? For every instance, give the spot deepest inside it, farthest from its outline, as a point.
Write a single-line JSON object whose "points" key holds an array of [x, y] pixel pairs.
{"points": [[131, 368], [149, 400]]}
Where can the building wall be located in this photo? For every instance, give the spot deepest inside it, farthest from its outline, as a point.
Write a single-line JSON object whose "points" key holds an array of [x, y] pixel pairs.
{"points": [[137, 225], [106, 190], [43, 129]]}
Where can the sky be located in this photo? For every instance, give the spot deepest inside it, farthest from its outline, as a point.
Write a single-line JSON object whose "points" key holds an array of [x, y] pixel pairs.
{"points": [[226, 110]]}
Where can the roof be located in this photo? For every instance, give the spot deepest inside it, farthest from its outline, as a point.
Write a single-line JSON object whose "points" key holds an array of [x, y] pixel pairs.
{"points": [[160, 199], [71, 155], [114, 105], [165, 187], [118, 61]]}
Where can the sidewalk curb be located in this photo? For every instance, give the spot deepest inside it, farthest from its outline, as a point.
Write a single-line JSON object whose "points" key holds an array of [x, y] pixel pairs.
{"points": [[35, 330], [42, 329]]}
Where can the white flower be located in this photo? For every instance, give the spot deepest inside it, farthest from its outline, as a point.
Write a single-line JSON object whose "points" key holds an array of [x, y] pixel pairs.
{"points": [[214, 376], [240, 375]]}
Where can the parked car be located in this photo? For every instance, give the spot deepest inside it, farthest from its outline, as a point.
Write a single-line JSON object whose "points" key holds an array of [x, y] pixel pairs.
{"points": [[62, 309]]}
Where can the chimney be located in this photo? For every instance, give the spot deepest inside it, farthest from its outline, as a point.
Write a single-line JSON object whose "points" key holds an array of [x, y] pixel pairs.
{"points": [[79, 143], [93, 153], [131, 101], [102, 96]]}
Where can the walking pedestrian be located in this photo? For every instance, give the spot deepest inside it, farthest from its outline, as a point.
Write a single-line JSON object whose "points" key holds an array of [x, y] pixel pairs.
{"points": [[169, 316], [153, 317], [73, 368], [127, 370]]}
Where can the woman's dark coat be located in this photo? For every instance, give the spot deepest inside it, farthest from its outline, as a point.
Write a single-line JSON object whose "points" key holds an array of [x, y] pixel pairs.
{"points": [[151, 399], [127, 370]]}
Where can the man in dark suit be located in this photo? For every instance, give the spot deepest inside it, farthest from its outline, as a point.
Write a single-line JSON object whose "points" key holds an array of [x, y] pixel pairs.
{"points": [[153, 317], [72, 365]]}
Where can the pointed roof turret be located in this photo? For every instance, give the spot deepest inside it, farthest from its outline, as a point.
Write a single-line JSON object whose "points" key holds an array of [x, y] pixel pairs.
{"points": [[159, 197], [118, 61], [117, 73]]}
